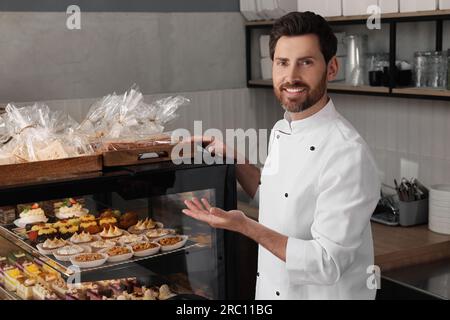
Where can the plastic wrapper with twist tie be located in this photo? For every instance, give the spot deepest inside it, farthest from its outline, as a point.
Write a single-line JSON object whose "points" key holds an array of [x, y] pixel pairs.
{"points": [[122, 122], [38, 134]]}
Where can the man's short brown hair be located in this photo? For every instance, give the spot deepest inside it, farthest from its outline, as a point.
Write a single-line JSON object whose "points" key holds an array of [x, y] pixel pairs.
{"points": [[301, 23]]}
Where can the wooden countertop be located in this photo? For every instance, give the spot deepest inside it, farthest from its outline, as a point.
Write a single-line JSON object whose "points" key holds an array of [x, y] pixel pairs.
{"points": [[396, 247]]}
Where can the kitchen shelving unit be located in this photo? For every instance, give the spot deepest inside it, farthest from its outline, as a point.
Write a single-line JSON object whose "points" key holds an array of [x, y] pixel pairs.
{"points": [[392, 19]]}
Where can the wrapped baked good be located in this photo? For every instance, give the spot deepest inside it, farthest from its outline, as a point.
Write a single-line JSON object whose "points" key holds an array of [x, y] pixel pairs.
{"points": [[125, 121], [37, 133]]}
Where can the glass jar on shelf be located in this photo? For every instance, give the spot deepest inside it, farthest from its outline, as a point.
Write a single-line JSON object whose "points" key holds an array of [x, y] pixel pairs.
{"points": [[438, 70], [421, 68]]}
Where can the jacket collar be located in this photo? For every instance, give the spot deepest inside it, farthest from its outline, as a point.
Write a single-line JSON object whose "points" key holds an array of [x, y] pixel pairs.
{"points": [[323, 116]]}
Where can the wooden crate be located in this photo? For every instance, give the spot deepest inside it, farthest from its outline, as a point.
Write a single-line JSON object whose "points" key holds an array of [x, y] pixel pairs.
{"points": [[29, 171], [150, 154]]}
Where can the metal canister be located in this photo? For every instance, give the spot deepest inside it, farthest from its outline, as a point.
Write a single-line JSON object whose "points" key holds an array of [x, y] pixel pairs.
{"points": [[355, 68]]}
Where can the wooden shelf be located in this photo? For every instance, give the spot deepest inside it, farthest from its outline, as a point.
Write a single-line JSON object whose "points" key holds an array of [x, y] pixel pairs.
{"points": [[332, 86], [422, 92], [404, 16], [342, 86]]}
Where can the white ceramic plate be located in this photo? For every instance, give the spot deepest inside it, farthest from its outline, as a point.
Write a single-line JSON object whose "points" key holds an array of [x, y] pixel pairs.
{"points": [[164, 232], [174, 246], [148, 252], [90, 264], [124, 233], [41, 249], [440, 192], [96, 249], [439, 229], [21, 224], [118, 258], [437, 212], [138, 237], [94, 238], [86, 249]]}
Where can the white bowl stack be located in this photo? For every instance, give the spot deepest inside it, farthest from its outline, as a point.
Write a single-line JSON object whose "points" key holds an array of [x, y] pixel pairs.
{"points": [[439, 213]]}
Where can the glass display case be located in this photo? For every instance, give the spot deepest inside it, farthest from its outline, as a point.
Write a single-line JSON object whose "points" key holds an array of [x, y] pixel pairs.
{"points": [[117, 235]]}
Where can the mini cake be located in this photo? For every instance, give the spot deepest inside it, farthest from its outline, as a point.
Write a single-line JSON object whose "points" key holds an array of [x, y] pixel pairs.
{"points": [[31, 269], [82, 237], [128, 219], [39, 226], [102, 244], [68, 231], [108, 222], [46, 233], [25, 288], [74, 221], [87, 218], [62, 223], [111, 233], [71, 208], [130, 239], [11, 276], [55, 243], [46, 278], [59, 286], [156, 233], [32, 214], [94, 229], [110, 213], [68, 251], [142, 226], [40, 292]]}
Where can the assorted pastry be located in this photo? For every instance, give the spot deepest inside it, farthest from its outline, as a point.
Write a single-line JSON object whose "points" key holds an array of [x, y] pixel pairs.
{"points": [[80, 233], [82, 238], [70, 208], [102, 244], [130, 239], [157, 233], [111, 232], [117, 251], [52, 244], [88, 257], [170, 241], [31, 215], [42, 283], [144, 225], [142, 246]]}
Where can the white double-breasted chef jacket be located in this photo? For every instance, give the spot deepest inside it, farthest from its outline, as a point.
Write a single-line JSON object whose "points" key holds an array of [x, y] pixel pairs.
{"points": [[319, 186]]}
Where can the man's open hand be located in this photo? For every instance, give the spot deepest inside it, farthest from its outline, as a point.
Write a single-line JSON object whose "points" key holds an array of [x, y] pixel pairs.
{"points": [[233, 220]]}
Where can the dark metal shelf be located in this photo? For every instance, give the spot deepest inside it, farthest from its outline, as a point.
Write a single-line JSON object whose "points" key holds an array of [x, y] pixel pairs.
{"points": [[392, 19], [342, 88]]}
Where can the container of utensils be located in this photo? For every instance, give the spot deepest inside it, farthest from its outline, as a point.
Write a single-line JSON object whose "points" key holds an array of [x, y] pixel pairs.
{"points": [[413, 202]]}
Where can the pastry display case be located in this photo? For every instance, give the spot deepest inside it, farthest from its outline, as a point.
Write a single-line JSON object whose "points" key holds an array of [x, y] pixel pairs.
{"points": [[117, 234]]}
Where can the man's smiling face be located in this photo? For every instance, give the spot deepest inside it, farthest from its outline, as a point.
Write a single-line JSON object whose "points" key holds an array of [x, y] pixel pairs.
{"points": [[299, 72]]}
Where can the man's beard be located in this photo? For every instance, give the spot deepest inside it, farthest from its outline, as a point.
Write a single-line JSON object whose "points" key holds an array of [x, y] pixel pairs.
{"points": [[312, 95]]}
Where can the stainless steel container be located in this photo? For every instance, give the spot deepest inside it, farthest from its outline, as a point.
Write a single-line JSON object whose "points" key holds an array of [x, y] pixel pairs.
{"points": [[355, 68]]}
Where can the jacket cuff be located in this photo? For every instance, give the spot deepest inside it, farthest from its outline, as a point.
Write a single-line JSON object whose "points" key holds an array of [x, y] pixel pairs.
{"points": [[296, 258]]}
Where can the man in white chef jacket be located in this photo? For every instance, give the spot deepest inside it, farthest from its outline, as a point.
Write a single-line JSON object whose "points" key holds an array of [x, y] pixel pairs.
{"points": [[319, 185]]}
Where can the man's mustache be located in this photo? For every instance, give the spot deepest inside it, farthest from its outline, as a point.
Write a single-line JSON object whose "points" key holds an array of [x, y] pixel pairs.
{"points": [[296, 84]]}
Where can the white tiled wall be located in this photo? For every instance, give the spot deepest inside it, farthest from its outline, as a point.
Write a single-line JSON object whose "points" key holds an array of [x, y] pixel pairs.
{"points": [[403, 134]]}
